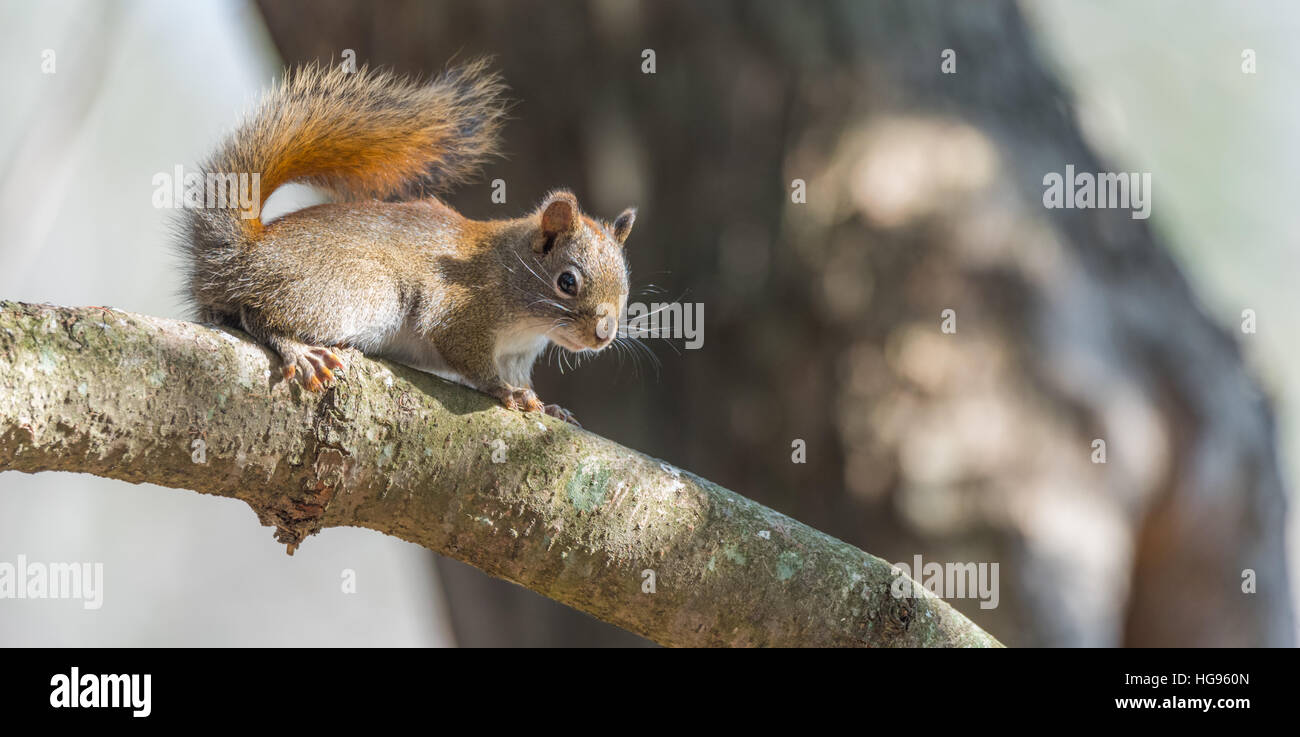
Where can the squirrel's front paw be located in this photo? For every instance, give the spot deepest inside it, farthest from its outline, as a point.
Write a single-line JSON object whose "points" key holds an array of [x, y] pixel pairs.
{"points": [[312, 367], [560, 413], [522, 399]]}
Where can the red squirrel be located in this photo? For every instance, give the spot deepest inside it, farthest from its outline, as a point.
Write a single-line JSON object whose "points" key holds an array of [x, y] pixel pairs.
{"points": [[386, 269]]}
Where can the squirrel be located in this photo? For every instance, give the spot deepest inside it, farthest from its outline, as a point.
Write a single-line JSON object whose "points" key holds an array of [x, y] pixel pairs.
{"points": [[388, 268]]}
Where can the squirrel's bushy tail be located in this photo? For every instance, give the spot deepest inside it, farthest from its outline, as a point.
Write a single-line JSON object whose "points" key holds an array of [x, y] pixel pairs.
{"points": [[362, 134]]}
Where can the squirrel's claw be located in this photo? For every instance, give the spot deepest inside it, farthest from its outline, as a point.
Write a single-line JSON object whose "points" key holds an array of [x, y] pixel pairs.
{"points": [[312, 368], [521, 399], [527, 401], [560, 413], [331, 360]]}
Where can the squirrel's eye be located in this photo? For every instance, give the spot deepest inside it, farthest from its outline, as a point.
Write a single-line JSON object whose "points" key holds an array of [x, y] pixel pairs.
{"points": [[568, 283]]}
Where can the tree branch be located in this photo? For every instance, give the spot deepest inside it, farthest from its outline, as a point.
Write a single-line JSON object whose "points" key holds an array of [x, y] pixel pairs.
{"points": [[559, 510]]}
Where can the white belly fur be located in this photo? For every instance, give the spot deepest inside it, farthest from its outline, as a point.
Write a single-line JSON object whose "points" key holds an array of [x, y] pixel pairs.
{"points": [[408, 347], [516, 351]]}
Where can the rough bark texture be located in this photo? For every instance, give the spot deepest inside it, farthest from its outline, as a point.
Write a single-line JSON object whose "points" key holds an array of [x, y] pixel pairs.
{"points": [[559, 510]]}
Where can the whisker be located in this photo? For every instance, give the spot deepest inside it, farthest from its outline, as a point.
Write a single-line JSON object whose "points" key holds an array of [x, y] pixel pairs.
{"points": [[633, 346], [531, 271]]}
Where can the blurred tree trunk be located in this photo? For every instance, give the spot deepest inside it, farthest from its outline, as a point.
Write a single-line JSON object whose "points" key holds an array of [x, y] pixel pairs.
{"points": [[924, 193]]}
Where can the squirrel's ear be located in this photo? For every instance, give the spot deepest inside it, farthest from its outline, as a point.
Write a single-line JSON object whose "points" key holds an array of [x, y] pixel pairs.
{"points": [[623, 224], [559, 214]]}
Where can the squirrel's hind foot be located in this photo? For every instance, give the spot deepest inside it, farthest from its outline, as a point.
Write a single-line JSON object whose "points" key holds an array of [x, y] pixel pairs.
{"points": [[310, 365]]}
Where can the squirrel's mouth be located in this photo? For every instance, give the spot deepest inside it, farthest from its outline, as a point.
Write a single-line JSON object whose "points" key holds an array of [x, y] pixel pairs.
{"points": [[576, 340], [573, 346], [564, 342]]}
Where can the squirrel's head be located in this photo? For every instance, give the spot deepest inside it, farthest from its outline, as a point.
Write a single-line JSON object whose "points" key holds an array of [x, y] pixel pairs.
{"points": [[583, 265]]}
